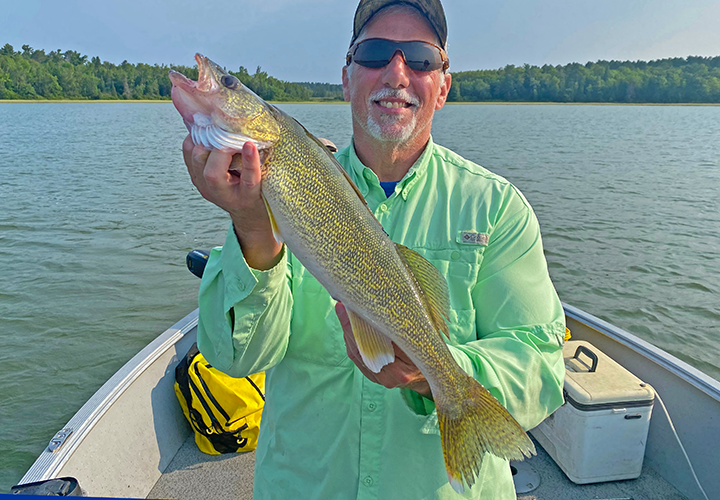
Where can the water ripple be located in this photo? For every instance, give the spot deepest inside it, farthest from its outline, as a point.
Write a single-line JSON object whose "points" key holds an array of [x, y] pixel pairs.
{"points": [[96, 219]]}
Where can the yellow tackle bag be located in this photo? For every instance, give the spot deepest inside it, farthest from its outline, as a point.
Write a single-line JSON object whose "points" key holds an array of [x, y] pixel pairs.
{"points": [[223, 411]]}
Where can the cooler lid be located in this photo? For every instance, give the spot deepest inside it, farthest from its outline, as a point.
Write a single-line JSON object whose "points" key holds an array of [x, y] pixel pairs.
{"points": [[592, 378]]}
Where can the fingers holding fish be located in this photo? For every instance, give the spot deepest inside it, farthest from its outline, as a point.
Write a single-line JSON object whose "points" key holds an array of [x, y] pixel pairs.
{"points": [[250, 214], [196, 158], [403, 373], [400, 373], [350, 345], [216, 176], [193, 162], [251, 174], [236, 189]]}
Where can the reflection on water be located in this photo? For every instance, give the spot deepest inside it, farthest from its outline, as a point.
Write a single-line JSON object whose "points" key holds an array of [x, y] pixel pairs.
{"points": [[97, 213]]}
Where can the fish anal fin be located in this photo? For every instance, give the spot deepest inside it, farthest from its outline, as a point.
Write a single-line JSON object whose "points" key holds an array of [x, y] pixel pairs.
{"points": [[273, 223], [432, 285], [375, 348]]}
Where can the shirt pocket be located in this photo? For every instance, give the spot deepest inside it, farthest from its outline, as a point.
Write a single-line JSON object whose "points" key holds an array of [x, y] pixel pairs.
{"points": [[459, 265]]}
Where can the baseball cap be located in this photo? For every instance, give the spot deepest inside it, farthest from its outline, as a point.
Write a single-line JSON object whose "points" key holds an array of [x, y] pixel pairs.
{"points": [[431, 9]]}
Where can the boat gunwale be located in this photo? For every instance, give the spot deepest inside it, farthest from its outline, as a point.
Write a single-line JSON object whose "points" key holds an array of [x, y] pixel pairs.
{"points": [[83, 421], [676, 366], [48, 464]]}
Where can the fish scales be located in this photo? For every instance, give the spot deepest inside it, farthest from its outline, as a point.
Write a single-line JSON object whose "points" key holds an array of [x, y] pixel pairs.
{"points": [[343, 244]]}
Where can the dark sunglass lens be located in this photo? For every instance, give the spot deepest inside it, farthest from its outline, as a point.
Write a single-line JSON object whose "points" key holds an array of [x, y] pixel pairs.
{"points": [[422, 57], [377, 52], [374, 53]]}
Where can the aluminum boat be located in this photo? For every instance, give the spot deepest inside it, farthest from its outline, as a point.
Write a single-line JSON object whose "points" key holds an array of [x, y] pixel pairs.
{"points": [[131, 440]]}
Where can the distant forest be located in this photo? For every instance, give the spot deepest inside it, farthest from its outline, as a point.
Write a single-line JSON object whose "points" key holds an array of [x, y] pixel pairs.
{"points": [[35, 74]]}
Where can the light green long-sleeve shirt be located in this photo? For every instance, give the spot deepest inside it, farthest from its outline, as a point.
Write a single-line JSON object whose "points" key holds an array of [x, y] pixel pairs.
{"points": [[329, 433]]}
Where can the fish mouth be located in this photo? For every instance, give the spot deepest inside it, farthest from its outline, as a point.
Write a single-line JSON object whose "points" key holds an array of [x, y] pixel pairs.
{"points": [[206, 81], [197, 103], [191, 97]]}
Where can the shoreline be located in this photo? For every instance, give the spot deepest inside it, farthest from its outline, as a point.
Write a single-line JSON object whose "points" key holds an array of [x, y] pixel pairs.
{"points": [[452, 103], [547, 103], [145, 101]]}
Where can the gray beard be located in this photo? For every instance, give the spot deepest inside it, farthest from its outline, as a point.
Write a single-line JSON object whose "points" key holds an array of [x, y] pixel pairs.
{"points": [[401, 135], [375, 128]]}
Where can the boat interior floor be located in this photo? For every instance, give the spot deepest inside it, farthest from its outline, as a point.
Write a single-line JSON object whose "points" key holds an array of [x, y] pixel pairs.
{"points": [[194, 475]]}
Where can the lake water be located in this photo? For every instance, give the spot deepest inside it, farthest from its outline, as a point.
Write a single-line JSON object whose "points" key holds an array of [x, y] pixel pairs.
{"points": [[97, 214]]}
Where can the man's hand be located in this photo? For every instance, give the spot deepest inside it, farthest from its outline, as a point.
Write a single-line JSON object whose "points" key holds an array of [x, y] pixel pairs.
{"points": [[400, 373], [239, 194]]}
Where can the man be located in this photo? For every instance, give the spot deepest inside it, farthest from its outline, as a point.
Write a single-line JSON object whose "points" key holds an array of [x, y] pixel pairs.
{"points": [[332, 428]]}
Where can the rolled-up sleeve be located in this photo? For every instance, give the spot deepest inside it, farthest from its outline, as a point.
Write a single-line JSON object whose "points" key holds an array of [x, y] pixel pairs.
{"points": [[520, 323], [244, 317]]}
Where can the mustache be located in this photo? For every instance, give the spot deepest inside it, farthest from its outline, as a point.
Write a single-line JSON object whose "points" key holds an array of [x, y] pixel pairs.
{"points": [[396, 94]]}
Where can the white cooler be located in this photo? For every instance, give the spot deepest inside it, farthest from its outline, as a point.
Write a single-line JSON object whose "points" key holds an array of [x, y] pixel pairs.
{"points": [[599, 434]]}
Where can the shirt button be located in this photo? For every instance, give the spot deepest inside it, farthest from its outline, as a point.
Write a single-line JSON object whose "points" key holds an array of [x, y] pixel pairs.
{"points": [[368, 175], [455, 255], [383, 208], [371, 406], [241, 285], [368, 481]]}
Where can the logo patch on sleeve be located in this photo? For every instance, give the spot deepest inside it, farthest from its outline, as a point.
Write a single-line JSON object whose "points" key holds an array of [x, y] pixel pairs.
{"points": [[473, 238]]}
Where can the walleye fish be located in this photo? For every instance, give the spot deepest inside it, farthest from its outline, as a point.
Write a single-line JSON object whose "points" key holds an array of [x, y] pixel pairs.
{"points": [[392, 294]]}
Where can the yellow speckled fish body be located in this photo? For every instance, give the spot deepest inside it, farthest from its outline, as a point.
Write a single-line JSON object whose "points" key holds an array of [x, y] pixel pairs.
{"points": [[331, 231], [392, 294]]}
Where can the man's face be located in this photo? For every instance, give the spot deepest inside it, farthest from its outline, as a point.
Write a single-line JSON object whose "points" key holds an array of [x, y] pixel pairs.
{"points": [[395, 103]]}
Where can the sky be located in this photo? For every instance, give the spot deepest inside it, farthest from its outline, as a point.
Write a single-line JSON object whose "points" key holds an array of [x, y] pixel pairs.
{"points": [[306, 40]]}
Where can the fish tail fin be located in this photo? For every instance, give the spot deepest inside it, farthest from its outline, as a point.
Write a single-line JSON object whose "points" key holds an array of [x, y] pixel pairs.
{"points": [[475, 425]]}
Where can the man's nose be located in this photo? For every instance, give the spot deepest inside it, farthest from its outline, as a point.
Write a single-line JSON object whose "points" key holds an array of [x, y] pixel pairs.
{"points": [[396, 72]]}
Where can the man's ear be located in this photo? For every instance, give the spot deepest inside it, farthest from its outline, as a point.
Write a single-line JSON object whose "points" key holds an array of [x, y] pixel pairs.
{"points": [[444, 91], [345, 84]]}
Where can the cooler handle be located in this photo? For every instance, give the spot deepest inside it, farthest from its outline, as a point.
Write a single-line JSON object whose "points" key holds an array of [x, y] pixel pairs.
{"points": [[584, 350]]}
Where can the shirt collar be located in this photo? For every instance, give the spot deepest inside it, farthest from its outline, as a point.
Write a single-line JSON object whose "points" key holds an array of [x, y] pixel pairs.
{"points": [[365, 175]]}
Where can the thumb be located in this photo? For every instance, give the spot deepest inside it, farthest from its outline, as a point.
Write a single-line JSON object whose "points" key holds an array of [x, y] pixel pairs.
{"points": [[251, 173]]}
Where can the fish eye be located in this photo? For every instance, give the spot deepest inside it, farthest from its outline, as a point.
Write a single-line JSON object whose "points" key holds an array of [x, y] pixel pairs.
{"points": [[230, 81]]}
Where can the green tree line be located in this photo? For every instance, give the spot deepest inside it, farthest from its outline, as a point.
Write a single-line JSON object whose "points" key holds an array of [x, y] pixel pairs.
{"points": [[675, 80], [35, 74]]}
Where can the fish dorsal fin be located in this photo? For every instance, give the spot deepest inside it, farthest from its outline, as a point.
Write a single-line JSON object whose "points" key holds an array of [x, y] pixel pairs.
{"points": [[375, 348], [337, 165], [432, 285], [342, 170]]}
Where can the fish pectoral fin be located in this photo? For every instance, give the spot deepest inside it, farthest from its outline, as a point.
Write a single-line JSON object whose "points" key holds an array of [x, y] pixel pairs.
{"points": [[375, 348], [432, 285], [273, 224]]}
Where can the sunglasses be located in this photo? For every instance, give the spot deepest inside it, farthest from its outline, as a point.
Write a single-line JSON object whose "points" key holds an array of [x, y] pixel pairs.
{"points": [[378, 52]]}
